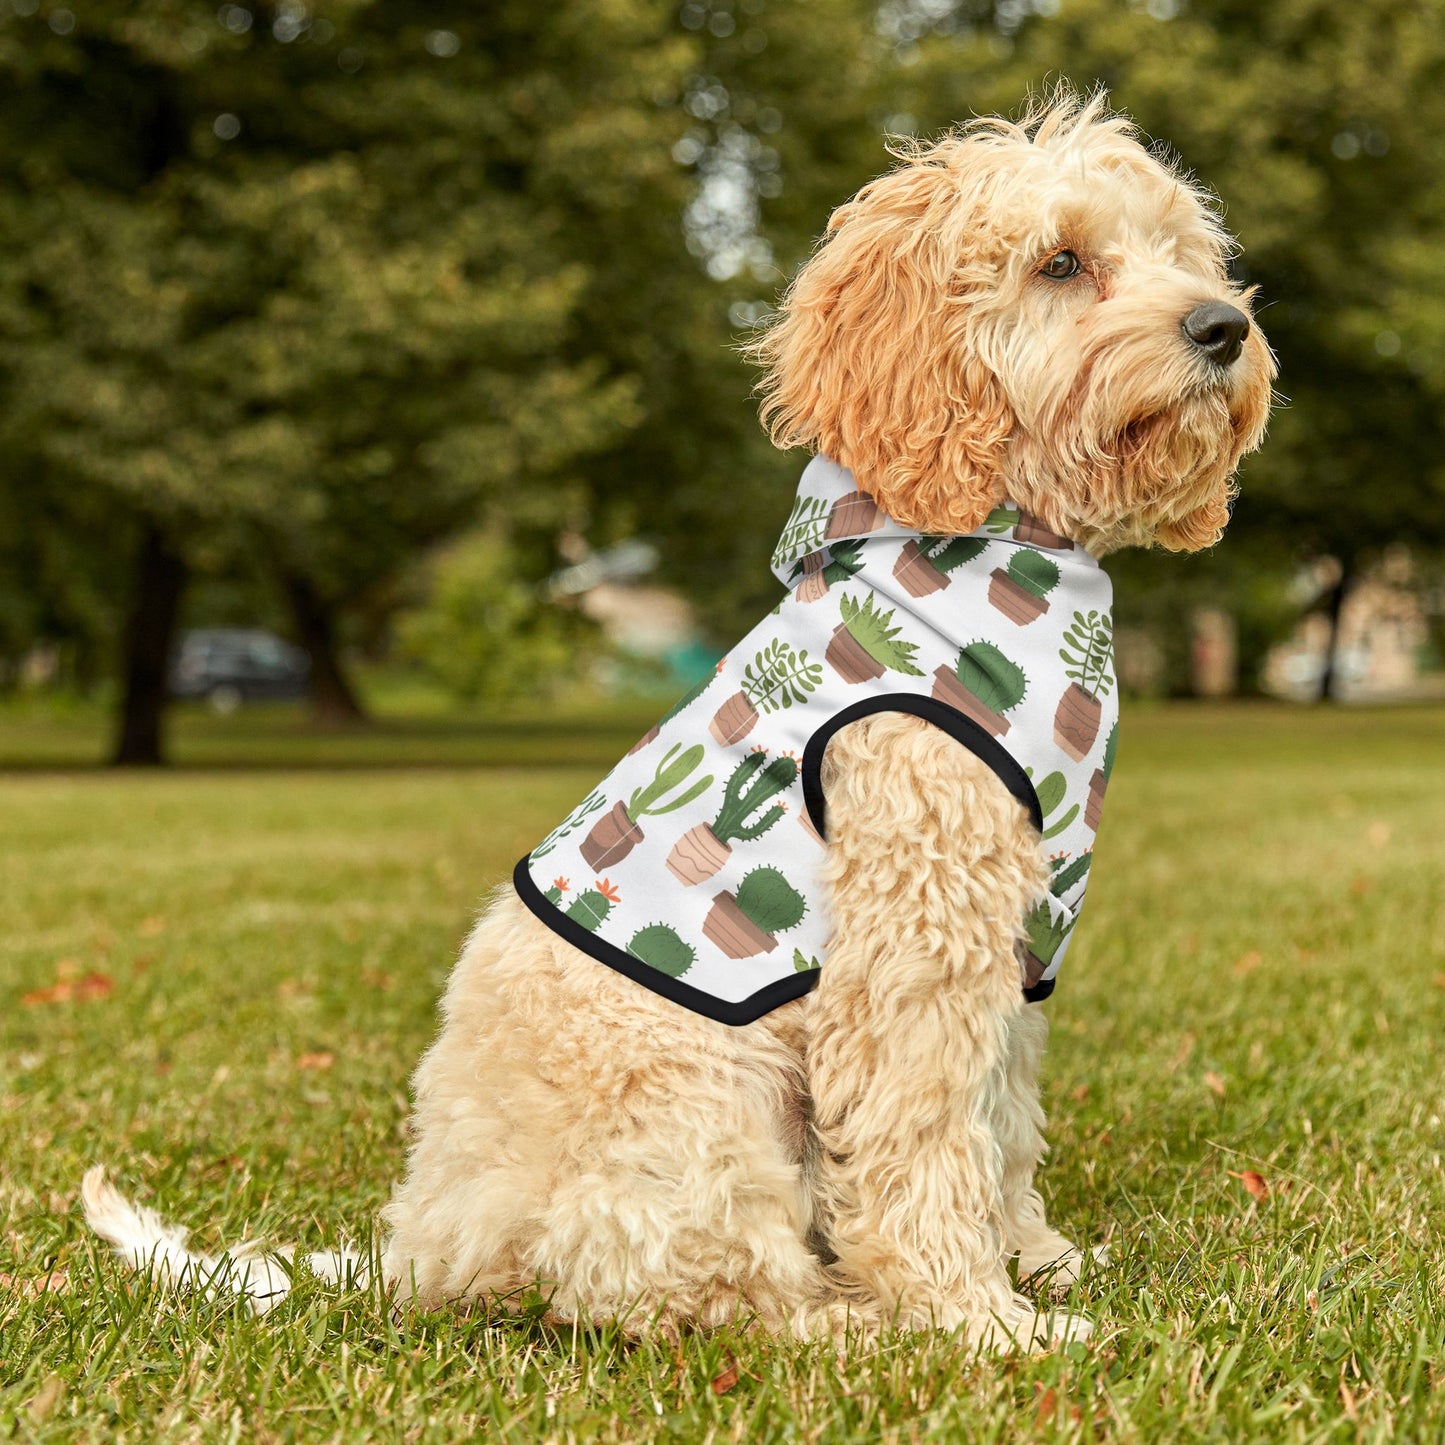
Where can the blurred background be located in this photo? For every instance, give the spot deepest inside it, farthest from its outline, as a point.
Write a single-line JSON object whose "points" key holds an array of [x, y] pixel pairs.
{"points": [[362, 363]]}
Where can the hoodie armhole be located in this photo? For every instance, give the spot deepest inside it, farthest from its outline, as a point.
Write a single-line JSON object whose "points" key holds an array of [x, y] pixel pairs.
{"points": [[963, 730]]}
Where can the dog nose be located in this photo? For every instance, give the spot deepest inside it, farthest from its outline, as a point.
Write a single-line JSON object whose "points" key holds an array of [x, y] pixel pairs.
{"points": [[1218, 330]]}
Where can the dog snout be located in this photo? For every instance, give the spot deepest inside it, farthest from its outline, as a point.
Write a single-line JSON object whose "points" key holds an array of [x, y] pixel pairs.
{"points": [[1218, 330]]}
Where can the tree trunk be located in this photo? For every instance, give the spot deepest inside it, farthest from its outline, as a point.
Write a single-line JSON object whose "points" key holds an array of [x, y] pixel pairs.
{"points": [[333, 700], [1329, 678], [160, 579]]}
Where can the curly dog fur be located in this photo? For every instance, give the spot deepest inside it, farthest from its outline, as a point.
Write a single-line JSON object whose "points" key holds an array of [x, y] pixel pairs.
{"points": [[863, 1156]]}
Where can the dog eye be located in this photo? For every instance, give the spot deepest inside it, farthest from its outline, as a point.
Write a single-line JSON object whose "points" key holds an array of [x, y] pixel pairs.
{"points": [[1060, 266]]}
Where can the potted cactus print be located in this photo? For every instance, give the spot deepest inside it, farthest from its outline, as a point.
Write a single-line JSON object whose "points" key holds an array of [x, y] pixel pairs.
{"points": [[617, 833], [1088, 654], [1046, 935], [1094, 810], [1051, 793], [778, 676], [984, 684], [1030, 529], [659, 947], [744, 815], [1002, 519], [852, 516], [865, 644], [1066, 872], [746, 923], [1020, 591], [924, 566], [818, 574], [555, 892], [570, 823], [590, 909]]}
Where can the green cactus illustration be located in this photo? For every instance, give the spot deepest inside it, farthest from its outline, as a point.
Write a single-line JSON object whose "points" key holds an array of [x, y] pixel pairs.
{"points": [[1088, 651], [1000, 520], [1046, 933], [671, 772], [1050, 794], [996, 682], [659, 947], [948, 554], [1033, 572], [752, 783], [769, 901], [1067, 872], [555, 892], [872, 629], [1111, 746], [802, 531], [570, 823], [590, 909], [802, 964]]}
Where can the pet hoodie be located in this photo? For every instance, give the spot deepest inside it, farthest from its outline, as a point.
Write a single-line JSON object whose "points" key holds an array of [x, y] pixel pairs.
{"points": [[693, 867]]}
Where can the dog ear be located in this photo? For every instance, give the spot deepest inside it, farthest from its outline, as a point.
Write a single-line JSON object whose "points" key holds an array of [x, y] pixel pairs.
{"points": [[873, 359]]}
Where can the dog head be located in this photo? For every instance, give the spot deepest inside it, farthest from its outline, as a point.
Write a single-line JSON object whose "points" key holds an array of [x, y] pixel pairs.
{"points": [[1036, 310]]}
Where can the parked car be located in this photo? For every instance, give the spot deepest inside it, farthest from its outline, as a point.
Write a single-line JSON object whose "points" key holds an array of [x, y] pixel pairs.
{"points": [[230, 665]]}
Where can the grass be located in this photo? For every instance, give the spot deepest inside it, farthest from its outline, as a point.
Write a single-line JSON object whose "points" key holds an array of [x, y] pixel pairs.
{"points": [[252, 960]]}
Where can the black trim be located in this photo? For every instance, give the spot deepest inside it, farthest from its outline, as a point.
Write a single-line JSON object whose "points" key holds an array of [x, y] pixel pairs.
{"points": [[750, 1009], [1040, 991], [961, 729]]}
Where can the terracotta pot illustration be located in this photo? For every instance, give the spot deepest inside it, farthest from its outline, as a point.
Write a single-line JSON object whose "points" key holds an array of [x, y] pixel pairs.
{"points": [[1076, 723], [947, 688], [697, 855], [734, 720], [807, 825], [643, 741], [1094, 809], [917, 574], [853, 515], [1033, 969], [1015, 602], [733, 931], [612, 838], [849, 659], [814, 585], [1030, 529]]}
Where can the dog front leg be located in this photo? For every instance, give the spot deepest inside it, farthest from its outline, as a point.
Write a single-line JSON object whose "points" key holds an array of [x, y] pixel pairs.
{"points": [[931, 866]]}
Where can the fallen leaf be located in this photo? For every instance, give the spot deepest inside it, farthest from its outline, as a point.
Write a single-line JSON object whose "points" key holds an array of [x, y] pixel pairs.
{"points": [[56, 1282], [66, 990], [45, 1399], [1347, 1399], [1360, 885], [1214, 1083], [724, 1382], [1248, 962], [1254, 1183], [1440, 980], [1080, 1094], [322, 1059]]}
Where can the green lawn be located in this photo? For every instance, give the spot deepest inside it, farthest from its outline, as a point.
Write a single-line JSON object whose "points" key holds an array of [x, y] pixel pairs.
{"points": [[252, 958]]}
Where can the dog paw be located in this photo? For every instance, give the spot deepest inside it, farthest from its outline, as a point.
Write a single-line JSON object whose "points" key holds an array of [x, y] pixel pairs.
{"points": [[1023, 1326], [1058, 1271]]}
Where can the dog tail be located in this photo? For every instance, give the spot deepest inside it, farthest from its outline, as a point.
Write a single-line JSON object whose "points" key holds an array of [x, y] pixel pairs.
{"points": [[147, 1243]]}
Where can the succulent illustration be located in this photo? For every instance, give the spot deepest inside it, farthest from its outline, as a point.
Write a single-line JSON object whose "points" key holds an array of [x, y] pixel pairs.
{"points": [[866, 644], [618, 832], [703, 849], [659, 947], [803, 964], [747, 922], [590, 909], [570, 823], [1088, 655], [802, 531], [1046, 934], [845, 559], [777, 677]]}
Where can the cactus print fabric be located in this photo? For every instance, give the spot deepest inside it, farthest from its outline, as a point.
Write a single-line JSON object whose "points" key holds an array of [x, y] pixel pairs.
{"points": [[693, 866]]}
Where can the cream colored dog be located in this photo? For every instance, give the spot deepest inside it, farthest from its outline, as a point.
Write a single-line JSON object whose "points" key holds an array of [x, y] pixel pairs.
{"points": [[1038, 311]]}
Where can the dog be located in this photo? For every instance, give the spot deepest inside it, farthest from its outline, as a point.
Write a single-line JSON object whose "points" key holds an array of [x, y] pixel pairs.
{"points": [[1033, 315]]}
